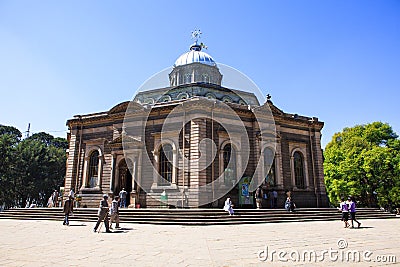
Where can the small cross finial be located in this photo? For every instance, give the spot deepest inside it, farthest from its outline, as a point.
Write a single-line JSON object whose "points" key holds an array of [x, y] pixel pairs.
{"points": [[268, 97], [196, 35]]}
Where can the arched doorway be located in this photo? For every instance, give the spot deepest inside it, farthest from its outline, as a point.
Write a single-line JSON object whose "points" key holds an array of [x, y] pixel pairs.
{"points": [[124, 180]]}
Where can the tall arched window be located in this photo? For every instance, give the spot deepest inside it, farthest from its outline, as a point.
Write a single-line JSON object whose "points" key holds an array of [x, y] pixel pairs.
{"points": [[93, 169], [269, 167], [205, 78], [229, 158], [188, 78], [299, 170], [166, 167]]}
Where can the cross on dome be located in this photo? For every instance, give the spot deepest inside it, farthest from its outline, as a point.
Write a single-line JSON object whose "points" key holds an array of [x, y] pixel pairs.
{"points": [[196, 35]]}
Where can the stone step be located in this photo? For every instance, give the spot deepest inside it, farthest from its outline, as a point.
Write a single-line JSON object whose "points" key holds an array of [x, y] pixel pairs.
{"points": [[195, 216]]}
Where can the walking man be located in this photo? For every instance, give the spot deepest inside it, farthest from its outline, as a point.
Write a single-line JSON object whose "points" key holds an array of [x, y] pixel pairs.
{"points": [[352, 209], [68, 209], [122, 196], [114, 212], [103, 214]]}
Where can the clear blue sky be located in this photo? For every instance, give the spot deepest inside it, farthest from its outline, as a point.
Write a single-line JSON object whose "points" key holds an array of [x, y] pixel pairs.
{"points": [[336, 60]]}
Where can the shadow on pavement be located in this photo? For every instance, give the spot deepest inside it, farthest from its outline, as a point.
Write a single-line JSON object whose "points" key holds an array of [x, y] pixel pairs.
{"points": [[127, 229]]}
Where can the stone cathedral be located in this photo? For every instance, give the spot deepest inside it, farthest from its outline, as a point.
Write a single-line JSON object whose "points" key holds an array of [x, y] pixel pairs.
{"points": [[194, 143]]}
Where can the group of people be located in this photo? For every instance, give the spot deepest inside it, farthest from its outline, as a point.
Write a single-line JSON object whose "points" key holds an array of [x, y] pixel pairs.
{"points": [[106, 214], [53, 200], [271, 195], [104, 211], [259, 195], [348, 208]]}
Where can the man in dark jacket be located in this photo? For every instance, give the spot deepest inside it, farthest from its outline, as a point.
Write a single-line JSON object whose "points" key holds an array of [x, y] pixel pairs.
{"points": [[68, 209], [103, 214]]}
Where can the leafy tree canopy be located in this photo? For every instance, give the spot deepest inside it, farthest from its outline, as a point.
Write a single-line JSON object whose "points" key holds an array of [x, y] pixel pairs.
{"points": [[364, 161], [30, 169]]}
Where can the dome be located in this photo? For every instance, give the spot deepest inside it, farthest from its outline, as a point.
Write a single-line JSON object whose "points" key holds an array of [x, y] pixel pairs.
{"points": [[195, 55]]}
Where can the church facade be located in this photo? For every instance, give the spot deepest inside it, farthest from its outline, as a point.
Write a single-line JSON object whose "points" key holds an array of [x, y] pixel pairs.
{"points": [[194, 143]]}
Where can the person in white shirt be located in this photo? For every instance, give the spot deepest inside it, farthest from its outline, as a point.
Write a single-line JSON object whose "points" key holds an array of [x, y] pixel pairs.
{"points": [[114, 212], [229, 206]]}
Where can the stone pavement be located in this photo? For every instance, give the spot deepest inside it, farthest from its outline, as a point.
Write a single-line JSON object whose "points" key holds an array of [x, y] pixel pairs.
{"points": [[49, 243]]}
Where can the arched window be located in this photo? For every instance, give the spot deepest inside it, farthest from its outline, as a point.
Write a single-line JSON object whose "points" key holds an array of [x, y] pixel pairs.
{"points": [[93, 169], [206, 78], [166, 166], [210, 96], [226, 99], [229, 158], [183, 96], [269, 167], [299, 170], [188, 78]]}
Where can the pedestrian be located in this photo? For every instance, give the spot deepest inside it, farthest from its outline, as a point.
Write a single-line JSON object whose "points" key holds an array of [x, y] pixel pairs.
{"points": [[33, 204], [68, 209], [275, 198], [103, 214], [71, 193], [114, 212], [344, 208], [352, 209], [289, 204], [122, 196], [50, 202], [259, 196], [229, 206], [55, 198], [270, 196]]}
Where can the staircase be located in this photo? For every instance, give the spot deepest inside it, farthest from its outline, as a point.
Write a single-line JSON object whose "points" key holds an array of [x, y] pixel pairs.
{"points": [[196, 216]]}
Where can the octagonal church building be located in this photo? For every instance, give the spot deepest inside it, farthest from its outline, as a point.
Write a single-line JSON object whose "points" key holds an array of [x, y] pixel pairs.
{"points": [[195, 143]]}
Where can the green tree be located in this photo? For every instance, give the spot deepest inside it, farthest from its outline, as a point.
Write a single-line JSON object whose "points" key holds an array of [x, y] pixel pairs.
{"points": [[9, 139], [363, 161], [30, 168]]}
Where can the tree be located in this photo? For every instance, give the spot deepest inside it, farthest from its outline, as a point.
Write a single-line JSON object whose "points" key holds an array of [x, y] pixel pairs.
{"points": [[364, 161], [31, 168], [9, 139]]}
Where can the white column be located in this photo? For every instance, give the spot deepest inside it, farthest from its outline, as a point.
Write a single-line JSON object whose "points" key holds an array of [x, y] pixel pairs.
{"points": [[101, 162], [112, 172], [85, 172]]}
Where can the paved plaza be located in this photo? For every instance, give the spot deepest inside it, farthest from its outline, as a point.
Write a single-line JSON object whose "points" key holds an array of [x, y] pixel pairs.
{"points": [[49, 243]]}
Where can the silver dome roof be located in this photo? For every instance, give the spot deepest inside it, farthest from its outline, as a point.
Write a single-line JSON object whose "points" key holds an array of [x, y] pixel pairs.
{"points": [[195, 55]]}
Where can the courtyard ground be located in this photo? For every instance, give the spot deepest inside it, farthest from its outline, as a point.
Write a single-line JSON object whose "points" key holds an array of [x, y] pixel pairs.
{"points": [[49, 243]]}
